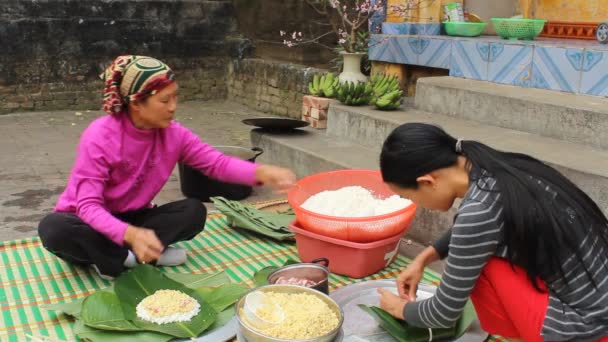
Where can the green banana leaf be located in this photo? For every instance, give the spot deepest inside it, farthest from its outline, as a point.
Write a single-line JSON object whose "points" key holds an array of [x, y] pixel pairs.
{"points": [[273, 225], [223, 318], [139, 282], [270, 220], [403, 332], [469, 315], [72, 308], [102, 310], [194, 281], [108, 323], [107, 313], [222, 297], [96, 335], [260, 278]]}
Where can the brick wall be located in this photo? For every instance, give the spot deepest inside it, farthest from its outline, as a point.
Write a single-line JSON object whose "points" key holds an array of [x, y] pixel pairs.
{"points": [[271, 87], [53, 51]]}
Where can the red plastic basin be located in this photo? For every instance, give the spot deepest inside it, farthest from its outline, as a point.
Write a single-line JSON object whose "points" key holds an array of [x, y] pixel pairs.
{"points": [[351, 259]]}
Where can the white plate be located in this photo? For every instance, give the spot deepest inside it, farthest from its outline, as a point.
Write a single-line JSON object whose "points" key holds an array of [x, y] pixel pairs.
{"points": [[361, 327]]}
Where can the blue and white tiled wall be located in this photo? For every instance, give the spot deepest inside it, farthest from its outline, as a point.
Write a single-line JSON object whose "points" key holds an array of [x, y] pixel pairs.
{"points": [[434, 52], [411, 50], [594, 80], [424, 29], [469, 59], [537, 64], [510, 64]]}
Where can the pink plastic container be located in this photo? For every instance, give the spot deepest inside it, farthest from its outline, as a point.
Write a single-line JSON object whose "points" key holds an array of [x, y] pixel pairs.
{"points": [[351, 259]]}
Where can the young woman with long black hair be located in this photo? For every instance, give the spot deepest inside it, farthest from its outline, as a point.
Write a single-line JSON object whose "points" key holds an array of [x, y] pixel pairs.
{"points": [[528, 247]]}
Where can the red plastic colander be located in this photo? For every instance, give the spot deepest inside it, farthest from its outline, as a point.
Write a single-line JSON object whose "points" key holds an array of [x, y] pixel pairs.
{"points": [[357, 229]]}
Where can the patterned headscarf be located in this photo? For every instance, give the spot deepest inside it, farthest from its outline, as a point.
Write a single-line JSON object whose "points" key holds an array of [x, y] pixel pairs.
{"points": [[133, 77]]}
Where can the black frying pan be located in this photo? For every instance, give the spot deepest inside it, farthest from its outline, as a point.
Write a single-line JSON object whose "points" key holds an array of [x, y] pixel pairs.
{"points": [[276, 123]]}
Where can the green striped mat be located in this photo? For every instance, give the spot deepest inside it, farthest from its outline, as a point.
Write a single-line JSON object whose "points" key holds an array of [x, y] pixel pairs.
{"points": [[30, 276]]}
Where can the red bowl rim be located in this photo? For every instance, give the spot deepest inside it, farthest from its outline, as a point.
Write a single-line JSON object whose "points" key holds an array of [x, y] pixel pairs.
{"points": [[291, 201]]}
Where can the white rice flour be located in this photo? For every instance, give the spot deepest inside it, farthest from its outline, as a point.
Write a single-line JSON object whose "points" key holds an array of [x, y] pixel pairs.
{"points": [[353, 201]]}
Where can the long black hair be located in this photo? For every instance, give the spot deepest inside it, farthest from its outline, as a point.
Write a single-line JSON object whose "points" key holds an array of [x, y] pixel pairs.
{"points": [[540, 206]]}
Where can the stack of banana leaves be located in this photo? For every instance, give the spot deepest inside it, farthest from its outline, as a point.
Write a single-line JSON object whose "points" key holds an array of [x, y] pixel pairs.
{"points": [[387, 94], [269, 224], [111, 314]]}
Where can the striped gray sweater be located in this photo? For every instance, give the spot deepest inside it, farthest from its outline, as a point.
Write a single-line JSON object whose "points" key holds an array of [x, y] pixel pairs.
{"points": [[575, 313]]}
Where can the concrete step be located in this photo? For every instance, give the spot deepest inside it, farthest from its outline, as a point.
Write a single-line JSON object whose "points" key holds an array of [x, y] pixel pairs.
{"points": [[365, 125], [575, 118], [311, 151], [584, 165]]}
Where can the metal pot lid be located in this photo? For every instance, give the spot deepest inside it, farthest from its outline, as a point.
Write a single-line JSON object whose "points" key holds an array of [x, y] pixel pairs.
{"points": [[361, 327]]}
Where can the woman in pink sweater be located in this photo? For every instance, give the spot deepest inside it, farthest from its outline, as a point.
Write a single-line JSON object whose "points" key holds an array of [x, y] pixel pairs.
{"points": [[105, 218]]}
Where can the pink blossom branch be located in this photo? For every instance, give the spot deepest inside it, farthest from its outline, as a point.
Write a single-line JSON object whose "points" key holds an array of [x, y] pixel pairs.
{"points": [[299, 41], [307, 42], [348, 20]]}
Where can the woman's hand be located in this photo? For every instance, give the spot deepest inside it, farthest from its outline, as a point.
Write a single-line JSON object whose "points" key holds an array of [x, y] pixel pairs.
{"points": [[407, 282], [144, 243], [392, 303], [277, 177]]}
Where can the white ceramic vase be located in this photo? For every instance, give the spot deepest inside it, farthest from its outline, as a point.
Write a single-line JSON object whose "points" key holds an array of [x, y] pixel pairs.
{"points": [[351, 69]]}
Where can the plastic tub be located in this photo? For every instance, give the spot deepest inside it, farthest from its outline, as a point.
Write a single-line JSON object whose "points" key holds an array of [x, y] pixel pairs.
{"points": [[355, 229], [464, 29], [516, 28], [351, 259]]}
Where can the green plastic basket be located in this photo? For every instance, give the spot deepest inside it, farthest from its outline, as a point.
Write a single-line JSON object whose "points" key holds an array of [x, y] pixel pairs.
{"points": [[510, 28], [463, 28]]}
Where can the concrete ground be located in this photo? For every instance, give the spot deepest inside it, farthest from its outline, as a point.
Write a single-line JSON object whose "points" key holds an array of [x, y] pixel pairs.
{"points": [[37, 151]]}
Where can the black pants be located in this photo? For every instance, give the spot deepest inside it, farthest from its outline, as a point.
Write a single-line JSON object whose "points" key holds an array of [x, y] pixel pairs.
{"points": [[69, 238]]}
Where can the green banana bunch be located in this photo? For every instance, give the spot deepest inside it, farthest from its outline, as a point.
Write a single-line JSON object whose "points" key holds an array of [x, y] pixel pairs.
{"points": [[324, 86], [314, 88], [329, 85], [390, 100], [384, 85], [353, 94]]}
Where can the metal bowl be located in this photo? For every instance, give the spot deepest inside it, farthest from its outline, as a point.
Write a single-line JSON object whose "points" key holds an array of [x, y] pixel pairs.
{"points": [[252, 335], [314, 271]]}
